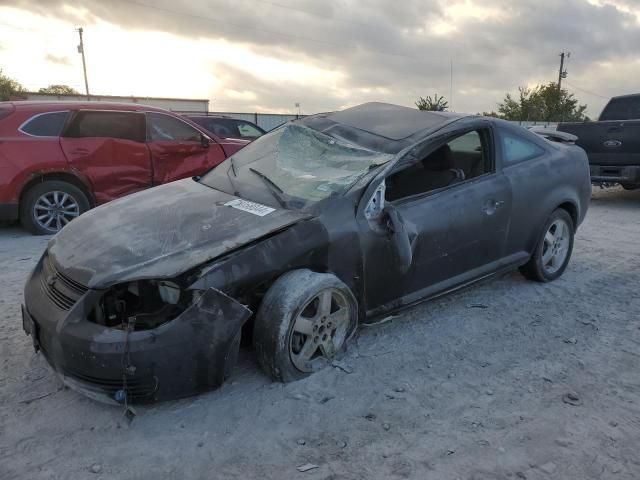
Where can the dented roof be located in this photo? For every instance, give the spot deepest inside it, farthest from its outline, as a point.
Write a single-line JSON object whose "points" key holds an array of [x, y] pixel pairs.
{"points": [[381, 126]]}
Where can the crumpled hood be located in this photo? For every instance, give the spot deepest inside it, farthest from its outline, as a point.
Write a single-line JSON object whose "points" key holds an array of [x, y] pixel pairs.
{"points": [[158, 233]]}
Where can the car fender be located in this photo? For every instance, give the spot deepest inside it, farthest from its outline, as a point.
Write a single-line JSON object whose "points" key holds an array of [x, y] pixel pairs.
{"points": [[30, 178]]}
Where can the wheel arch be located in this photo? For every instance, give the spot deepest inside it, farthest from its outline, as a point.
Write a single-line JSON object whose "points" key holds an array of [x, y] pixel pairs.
{"points": [[68, 177], [572, 209]]}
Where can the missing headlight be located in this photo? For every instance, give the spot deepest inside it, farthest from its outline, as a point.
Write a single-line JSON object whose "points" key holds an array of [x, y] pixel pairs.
{"points": [[146, 304], [169, 292]]}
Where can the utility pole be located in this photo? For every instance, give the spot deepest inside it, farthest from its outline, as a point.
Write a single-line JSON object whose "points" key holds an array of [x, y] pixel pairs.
{"points": [[562, 73], [451, 85], [84, 64]]}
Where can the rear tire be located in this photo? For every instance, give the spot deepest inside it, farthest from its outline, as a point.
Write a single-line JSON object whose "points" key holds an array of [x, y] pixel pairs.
{"points": [[553, 249], [304, 320], [630, 186], [48, 206]]}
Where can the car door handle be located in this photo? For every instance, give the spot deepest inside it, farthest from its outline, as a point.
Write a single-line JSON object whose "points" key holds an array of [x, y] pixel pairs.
{"points": [[614, 129], [490, 206]]}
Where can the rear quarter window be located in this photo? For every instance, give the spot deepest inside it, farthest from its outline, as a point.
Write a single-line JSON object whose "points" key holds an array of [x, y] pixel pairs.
{"points": [[48, 124], [516, 149]]}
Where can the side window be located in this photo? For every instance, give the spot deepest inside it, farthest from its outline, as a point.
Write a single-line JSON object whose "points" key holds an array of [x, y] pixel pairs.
{"points": [[161, 127], [634, 108], [517, 149], [462, 158], [627, 108], [45, 124], [222, 128], [107, 124], [248, 131]]}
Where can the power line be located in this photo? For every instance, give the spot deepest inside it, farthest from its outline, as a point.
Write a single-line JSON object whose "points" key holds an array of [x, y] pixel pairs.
{"points": [[18, 28], [587, 91], [313, 14]]}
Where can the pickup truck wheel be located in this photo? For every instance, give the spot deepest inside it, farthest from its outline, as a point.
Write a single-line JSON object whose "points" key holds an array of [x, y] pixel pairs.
{"points": [[48, 206], [553, 250], [304, 320]]}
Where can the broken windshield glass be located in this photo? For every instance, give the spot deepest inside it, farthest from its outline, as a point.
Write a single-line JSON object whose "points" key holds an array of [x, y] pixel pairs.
{"points": [[306, 165]]}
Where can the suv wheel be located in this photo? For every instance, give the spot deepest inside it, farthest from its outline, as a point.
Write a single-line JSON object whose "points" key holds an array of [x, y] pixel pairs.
{"points": [[50, 205]]}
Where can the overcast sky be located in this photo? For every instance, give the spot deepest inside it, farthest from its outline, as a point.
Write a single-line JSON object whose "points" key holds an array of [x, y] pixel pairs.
{"points": [[263, 55]]}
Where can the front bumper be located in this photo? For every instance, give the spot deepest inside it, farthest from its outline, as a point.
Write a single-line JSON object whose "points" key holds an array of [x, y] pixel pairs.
{"points": [[611, 174], [188, 355]]}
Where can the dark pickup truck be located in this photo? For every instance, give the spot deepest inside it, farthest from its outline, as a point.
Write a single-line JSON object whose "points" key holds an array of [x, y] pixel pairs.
{"points": [[613, 142]]}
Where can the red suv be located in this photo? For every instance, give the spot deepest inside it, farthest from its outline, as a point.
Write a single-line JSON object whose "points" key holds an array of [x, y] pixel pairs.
{"points": [[58, 160]]}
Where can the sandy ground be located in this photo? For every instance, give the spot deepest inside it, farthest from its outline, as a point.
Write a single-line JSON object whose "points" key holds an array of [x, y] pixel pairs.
{"points": [[445, 390]]}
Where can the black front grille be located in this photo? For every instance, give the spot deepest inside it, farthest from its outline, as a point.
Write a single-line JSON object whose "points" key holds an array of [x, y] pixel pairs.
{"points": [[137, 388], [61, 290]]}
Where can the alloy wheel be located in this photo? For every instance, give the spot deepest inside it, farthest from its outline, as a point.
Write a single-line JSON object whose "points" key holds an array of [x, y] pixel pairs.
{"points": [[556, 246], [53, 210], [320, 329]]}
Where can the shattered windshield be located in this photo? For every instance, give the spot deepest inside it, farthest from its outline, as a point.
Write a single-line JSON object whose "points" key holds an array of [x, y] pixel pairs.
{"points": [[292, 167]]}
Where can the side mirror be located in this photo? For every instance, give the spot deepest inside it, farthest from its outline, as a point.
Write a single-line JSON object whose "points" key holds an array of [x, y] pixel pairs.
{"points": [[205, 141]]}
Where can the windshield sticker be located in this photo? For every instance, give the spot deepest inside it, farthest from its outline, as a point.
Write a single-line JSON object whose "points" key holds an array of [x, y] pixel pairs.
{"points": [[251, 207]]}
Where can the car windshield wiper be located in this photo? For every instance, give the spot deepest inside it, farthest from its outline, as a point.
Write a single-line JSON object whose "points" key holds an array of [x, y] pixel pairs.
{"points": [[275, 190]]}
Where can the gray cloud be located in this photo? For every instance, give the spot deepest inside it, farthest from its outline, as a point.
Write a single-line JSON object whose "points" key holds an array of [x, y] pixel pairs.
{"points": [[57, 59], [389, 47]]}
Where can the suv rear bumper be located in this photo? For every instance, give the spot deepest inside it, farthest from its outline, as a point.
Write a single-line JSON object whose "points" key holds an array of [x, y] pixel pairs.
{"points": [[8, 211], [628, 175]]}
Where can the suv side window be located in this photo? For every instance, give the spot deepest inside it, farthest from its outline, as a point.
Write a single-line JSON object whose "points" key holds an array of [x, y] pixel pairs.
{"points": [[45, 124], [517, 149], [248, 131], [107, 124], [161, 127]]}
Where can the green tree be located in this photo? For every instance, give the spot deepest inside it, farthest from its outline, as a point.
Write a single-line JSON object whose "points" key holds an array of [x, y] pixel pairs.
{"points": [[59, 90], [542, 103], [435, 104], [9, 87]]}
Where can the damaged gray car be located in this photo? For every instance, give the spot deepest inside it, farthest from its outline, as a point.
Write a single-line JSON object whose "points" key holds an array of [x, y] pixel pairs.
{"points": [[323, 223]]}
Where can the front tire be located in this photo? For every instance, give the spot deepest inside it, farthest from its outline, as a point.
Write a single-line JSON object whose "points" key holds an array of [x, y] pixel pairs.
{"points": [[304, 320], [48, 206], [553, 249]]}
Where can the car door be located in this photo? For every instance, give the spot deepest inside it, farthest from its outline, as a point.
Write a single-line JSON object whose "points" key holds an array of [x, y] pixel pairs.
{"points": [[631, 133], [456, 232], [619, 143], [108, 149], [178, 150]]}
